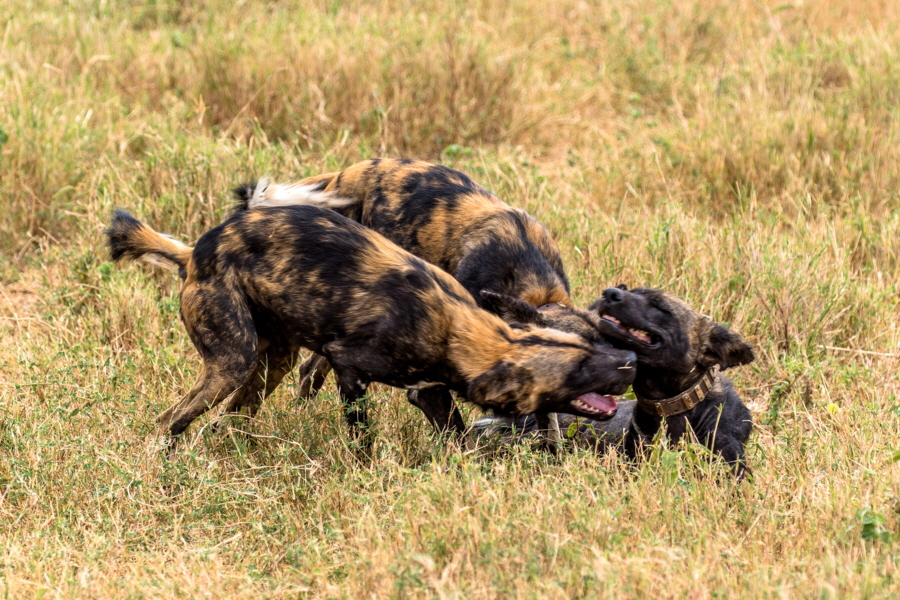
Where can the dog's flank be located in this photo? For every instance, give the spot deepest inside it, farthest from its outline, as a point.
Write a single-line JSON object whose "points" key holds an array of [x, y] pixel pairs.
{"points": [[265, 283]]}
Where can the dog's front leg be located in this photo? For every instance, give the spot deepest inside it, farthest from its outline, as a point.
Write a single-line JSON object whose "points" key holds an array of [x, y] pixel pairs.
{"points": [[312, 373], [353, 395], [733, 453], [352, 386], [439, 408], [548, 426]]}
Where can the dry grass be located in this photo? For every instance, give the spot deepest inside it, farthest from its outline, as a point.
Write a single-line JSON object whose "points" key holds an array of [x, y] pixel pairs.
{"points": [[740, 154]]}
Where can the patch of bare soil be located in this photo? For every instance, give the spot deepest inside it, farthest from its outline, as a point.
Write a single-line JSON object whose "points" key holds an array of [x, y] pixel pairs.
{"points": [[18, 312], [18, 304]]}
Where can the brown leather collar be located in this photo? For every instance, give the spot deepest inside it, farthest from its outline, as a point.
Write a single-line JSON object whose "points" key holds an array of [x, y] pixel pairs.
{"points": [[683, 402]]}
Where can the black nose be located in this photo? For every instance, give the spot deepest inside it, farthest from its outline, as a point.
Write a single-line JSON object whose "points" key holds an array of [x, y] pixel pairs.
{"points": [[613, 295]]}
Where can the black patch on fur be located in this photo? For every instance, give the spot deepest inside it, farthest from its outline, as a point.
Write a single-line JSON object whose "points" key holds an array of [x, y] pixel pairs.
{"points": [[119, 234], [511, 309], [500, 387], [242, 195], [499, 263]]}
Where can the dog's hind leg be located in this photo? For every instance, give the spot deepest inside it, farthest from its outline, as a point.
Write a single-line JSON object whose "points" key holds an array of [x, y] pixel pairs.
{"points": [[312, 375], [221, 328], [216, 383], [274, 363]]}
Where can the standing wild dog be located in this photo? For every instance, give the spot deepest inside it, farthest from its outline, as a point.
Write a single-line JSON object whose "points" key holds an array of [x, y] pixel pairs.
{"points": [[267, 282], [442, 216], [680, 354]]}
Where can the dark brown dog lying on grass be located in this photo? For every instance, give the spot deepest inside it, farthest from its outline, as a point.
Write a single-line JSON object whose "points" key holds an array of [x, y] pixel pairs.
{"points": [[442, 216], [681, 354], [267, 282]]}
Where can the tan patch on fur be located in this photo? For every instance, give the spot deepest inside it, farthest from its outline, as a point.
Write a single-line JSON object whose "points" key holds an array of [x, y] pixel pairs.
{"points": [[539, 235], [479, 341], [316, 180], [151, 241], [254, 217], [540, 296], [230, 242], [382, 256], [189, 304]]}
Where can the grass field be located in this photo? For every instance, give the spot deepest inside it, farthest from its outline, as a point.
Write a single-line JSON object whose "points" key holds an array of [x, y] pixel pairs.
{"points": [[741, 154]]}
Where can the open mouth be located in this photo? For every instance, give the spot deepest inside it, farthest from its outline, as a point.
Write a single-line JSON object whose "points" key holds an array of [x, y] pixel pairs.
{"points": [[598, 406], [639, 334]]}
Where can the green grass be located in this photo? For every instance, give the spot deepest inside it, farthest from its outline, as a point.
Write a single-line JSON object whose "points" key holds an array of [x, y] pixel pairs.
{"points": [[742, 155]]}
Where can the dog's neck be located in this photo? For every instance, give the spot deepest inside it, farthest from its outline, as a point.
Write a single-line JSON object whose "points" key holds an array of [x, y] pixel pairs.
{"points": [[659, 384], [683, 402], [478, 341]]}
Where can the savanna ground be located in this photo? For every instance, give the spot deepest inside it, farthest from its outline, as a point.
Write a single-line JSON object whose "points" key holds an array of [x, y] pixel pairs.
{"points": [[741, 154]]}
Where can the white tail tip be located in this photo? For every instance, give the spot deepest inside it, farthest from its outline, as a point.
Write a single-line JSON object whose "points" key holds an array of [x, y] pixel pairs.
{"points": [[294, 194]]}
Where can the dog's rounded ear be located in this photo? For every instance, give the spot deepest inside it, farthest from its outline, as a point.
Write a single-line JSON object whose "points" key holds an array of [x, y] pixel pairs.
{"points": [[502, 388], [512, 309], [727, 349]]}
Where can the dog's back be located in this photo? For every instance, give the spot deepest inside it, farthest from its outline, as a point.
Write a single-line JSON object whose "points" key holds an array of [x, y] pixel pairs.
{"points": [[440, 215], [318, 274]]}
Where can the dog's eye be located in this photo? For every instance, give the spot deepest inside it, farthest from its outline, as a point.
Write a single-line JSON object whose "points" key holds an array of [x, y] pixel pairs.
{"points": [[661, 309]]}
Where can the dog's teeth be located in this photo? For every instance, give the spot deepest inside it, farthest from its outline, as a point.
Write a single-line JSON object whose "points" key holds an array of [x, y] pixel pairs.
{"points": [[612, 319], [640, 334], [584, 407]]}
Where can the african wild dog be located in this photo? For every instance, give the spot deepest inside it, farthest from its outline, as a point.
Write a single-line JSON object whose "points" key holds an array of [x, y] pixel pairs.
{"points": [[680, 353], [442, 216], [266, 282]]}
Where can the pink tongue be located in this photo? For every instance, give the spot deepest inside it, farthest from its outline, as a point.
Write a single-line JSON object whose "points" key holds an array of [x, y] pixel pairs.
{"points": [[604, 403]]}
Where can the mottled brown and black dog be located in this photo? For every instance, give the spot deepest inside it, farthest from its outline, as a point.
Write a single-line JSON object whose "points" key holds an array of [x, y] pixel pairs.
{"points": [[442, 216], [267, 282], [680, 355]]}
